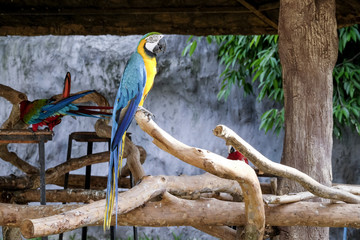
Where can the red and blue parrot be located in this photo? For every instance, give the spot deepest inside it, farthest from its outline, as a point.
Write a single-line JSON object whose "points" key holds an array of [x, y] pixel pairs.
{"points": [[135, 84], [48, 112], [236, 155]]}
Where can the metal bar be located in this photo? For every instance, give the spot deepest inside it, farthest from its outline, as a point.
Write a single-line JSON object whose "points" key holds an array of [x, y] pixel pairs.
{"points": [[87, 184], [42, 175], [135, 230], [66, 178]]}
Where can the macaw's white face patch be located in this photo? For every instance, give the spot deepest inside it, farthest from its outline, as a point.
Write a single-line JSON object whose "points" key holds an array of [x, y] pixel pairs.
{"points": [[152, 41]]}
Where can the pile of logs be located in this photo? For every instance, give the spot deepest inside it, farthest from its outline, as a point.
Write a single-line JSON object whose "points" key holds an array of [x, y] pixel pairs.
{"points": [[229, 194]]}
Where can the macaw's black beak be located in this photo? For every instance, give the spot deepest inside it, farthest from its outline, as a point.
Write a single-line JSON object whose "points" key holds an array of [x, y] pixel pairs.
{"points": [[160, 47]]}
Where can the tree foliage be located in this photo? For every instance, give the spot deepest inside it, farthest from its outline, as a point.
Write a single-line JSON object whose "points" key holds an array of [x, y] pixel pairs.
{"points": [[253, 62]]}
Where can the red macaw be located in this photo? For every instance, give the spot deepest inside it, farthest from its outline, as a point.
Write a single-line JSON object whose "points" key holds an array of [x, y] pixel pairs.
{"points": [[236, 155], [48, 112]]}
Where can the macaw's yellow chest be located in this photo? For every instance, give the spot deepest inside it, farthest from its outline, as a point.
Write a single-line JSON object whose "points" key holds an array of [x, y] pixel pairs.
{"points": [[150, 66]]}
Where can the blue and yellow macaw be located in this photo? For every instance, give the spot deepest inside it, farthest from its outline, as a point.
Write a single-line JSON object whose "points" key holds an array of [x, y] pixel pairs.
{"points": [[136, 82]]}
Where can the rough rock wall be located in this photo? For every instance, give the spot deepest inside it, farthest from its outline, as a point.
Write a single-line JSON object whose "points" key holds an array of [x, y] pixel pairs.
{"points": [[183, 101]]}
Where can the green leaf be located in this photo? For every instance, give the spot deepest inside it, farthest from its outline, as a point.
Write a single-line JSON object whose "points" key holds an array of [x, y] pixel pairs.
{"points": [[193, 47]]}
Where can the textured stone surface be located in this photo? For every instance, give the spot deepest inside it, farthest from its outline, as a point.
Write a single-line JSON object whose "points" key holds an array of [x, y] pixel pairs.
{"points": [[183, 101]]}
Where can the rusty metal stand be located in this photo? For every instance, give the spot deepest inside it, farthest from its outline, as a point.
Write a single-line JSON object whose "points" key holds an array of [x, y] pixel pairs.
{"points": [[89, 138], [28, 136]]}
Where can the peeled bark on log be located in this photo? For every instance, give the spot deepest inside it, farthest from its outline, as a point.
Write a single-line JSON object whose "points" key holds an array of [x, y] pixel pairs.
{"points": [[266, 165], [182, 212], [91, 213], [217, 165]]}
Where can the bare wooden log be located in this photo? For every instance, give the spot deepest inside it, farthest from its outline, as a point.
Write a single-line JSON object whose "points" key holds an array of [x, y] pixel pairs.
{"points": [[290, 198], [67, 195], [266, 165], [215, 212], [13, 158], [193, 186], [125, 171], [203, 212], [96, 183], [217, 165], [14, 97], [354, 189], [76, 163], [12, 215], [13, 182], [222, 232], [133, 160], [93, 212], [104, 130]]}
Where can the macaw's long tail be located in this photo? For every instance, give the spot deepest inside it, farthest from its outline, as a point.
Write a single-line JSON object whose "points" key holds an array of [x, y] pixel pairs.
{"points": [[91, 111], [67, 85], [115, 165]]}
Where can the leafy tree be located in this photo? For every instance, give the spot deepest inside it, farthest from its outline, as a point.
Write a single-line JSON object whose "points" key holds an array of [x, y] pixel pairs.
{"points": [[253, 61]]}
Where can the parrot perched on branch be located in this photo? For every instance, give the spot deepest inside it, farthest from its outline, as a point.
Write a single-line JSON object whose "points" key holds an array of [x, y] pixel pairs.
{"points": [[135, 84], [48, 112], [236, 155]]}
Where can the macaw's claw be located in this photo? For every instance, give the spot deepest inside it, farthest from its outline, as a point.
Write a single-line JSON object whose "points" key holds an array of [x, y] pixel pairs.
{"points": [[146, 112]]}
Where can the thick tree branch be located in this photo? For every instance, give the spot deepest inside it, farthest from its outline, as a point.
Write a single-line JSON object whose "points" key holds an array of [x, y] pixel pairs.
{"points": [[96, 183], [269, 166], [217, 165], [13, 158], [91, 213], [196, 212], [273, 199], [66, 195], [104, 130]]}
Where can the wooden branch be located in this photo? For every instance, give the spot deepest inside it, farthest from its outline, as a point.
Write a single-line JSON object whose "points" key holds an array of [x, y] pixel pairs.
{"points": [[217, 165], [14, 97], [215, 212], [13, 158], [133, 160], [196, 212], [222, 232], [67, 195], [75, 181], [13, 215], [125, 171], [96, 183], [273, 199], [266, 165], [104, 130], [354, 189], [76, 163], [91, 213]]}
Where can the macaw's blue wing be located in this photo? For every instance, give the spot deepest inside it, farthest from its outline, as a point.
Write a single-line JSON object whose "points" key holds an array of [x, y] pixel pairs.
{"points": [[126, 103], [61, 106]]}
